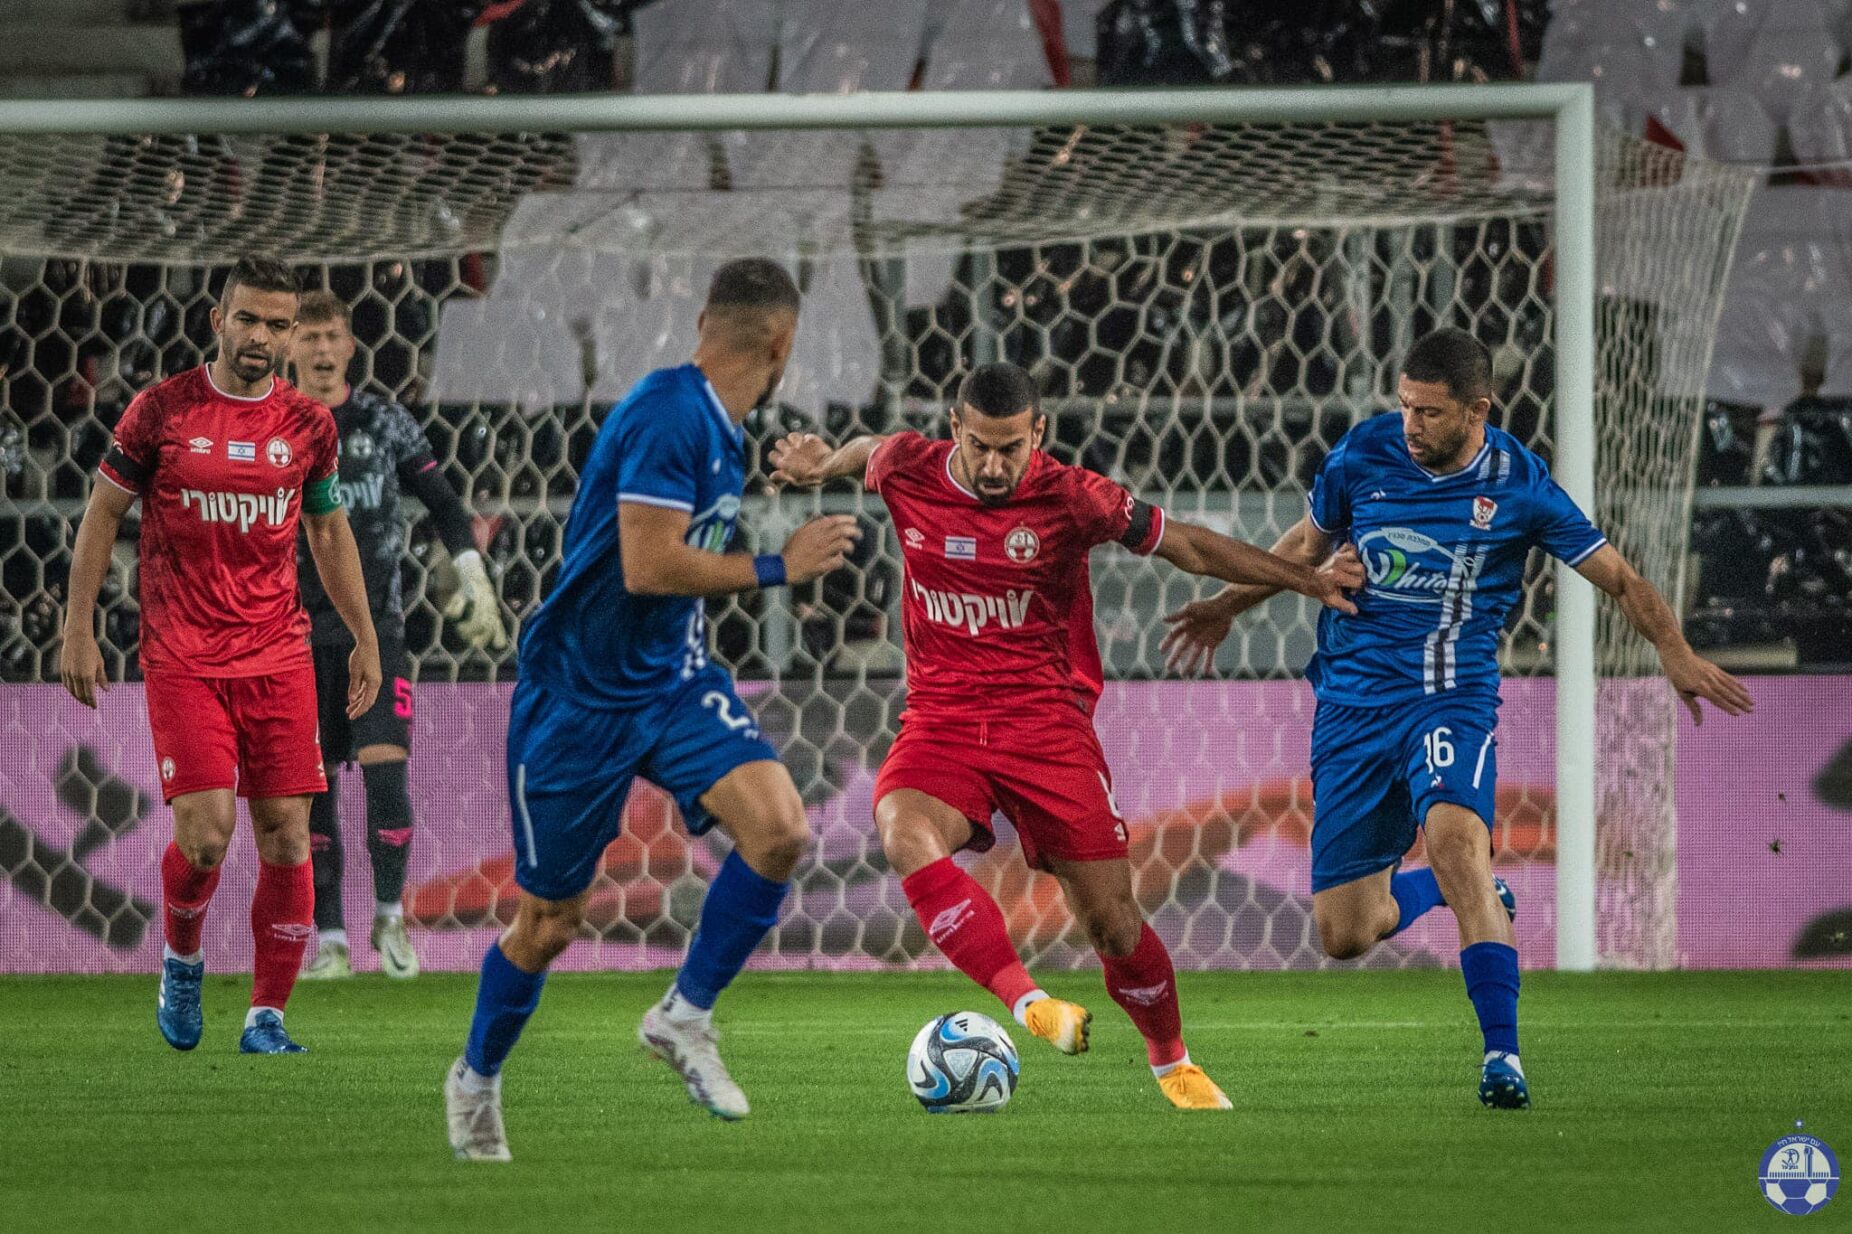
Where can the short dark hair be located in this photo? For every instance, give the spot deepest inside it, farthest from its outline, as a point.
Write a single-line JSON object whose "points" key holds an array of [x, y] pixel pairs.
{"points": [[260, 272], [753, 284], [318, 306], [999, 389], [1455, 359]]}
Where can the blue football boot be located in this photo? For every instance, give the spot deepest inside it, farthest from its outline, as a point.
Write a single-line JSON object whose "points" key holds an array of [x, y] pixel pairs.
{"points": [[177, 1009], [1501, 1083], [266, 1036]]}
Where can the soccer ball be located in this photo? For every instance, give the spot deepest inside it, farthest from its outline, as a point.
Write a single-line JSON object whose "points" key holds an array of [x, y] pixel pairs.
{"points": [[963, 1063], [1798, 1196]]}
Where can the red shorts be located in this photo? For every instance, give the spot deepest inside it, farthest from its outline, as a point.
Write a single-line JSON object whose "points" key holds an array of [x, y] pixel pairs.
{"points": [[1047, 776], [255, 734]]}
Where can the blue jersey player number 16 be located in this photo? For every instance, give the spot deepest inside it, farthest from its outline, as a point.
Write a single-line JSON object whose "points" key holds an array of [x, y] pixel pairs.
{"points": [[1441, 509]]}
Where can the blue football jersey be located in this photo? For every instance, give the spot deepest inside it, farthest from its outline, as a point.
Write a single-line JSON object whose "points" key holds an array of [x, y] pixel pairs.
{"points": [[1444, 557], [668, 443]]}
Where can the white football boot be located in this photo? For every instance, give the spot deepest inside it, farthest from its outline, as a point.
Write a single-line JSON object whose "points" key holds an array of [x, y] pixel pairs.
{"points": [[475, 1118], [693, 1050]]}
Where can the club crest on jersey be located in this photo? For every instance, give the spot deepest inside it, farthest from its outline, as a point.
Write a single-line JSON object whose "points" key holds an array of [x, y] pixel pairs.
{"points": [[1483, 510], [913, 538], [201, 445], [359, 445], [1021, 545], [241, 451], [277, 452], [961, 548]]}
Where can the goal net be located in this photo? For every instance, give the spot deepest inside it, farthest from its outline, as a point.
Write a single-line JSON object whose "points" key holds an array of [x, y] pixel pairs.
{"points": [[1208, 307]]}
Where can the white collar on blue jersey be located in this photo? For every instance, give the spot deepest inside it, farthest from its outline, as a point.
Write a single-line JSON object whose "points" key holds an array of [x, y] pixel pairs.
{"points": [[720, 408], [1477, 463]]}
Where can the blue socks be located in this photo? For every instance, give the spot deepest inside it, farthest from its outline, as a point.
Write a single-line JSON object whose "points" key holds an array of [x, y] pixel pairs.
{"points": [[505, 998], [742, 906], [1415, 892], [1491, 972]]}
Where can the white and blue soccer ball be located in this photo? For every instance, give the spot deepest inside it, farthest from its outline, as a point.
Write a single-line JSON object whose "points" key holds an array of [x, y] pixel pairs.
{"points": [[963, 1063], [1799, 1196]]}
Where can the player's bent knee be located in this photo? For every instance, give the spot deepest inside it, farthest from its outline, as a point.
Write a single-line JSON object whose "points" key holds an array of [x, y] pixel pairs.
{"points": [[1341, 938], [1115, 931], [202, 854]]}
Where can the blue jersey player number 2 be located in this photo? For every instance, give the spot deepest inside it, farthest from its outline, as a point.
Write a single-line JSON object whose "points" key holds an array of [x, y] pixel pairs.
{"points": [[1442, 510], [615, 683]]}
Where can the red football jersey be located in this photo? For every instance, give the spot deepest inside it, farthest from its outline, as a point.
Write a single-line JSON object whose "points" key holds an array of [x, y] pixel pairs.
{"points": [[997, 606], [221, 481]]}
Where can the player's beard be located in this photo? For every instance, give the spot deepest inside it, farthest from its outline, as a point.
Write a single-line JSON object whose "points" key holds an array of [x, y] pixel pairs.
{"points": [[771, 388], [265, 363], [1441, 453]]}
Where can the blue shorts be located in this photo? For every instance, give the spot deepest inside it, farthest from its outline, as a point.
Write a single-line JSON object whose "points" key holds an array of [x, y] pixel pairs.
{"points": [[570, 768], [1377, 771]]}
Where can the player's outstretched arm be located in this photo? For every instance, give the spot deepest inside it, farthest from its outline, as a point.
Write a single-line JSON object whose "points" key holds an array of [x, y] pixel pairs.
{"points": [[80, 660], [1691, 675], [1198, 628], [1201, 551], [805, 460], [337, 561], [658, 560]]}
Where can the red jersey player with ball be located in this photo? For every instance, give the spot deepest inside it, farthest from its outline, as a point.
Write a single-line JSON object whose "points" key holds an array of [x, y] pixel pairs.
{"points": [[225, 459], [1002, 677]]}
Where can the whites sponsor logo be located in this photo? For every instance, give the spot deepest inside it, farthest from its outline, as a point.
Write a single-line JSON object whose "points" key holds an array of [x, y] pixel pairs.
{"points": [[201, 445], [961, 548], [277, 452], [1145, 995], [241, 451], [1021, 545], [1403, 564], [243, 509], [914, 538], [1483, 510], [946, 923], [974, 612], [167, 769], [365, 494]]}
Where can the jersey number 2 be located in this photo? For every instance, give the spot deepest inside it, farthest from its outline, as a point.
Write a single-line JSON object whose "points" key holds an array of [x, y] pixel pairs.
{"points": [[723, 707]]}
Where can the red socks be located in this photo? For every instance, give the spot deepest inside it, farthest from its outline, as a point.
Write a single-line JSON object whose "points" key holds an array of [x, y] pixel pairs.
{"points": [[966, 924], [1146, 986], [282, 924], [185, 891]]}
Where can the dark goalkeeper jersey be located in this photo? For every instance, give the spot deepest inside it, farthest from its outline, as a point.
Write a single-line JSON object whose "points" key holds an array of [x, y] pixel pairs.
{"points": [[382, 448]]}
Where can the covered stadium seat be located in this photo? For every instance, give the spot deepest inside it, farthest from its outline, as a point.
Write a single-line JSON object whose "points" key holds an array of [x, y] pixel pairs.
{"points": [[837, 356], [491, 352], [1784, 65], [1736, 128], [1788, 284], [1726, 28]]}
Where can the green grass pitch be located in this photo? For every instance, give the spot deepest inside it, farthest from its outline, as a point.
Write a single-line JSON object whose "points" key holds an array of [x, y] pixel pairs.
{"points": [[1354, 1094]]}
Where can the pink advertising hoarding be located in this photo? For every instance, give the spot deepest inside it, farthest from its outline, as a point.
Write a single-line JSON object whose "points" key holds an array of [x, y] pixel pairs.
{"points": [[1209, 775]]}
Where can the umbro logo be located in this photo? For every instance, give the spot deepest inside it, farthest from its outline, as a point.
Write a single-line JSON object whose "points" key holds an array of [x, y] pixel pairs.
{"points": [[1145, 995], [947, 923], [1378, 495], [201, 445]]}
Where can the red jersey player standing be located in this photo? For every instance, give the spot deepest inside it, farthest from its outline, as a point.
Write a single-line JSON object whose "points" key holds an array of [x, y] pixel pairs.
{"points": [[225, 458], [1002, 677]]}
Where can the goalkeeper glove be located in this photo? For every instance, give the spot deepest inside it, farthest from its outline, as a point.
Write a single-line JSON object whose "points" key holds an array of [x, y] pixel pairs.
{"points": [[473, 606]]}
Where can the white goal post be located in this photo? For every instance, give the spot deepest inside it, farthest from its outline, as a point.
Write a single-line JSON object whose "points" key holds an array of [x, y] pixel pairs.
{"points": [[1571, 190]]}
